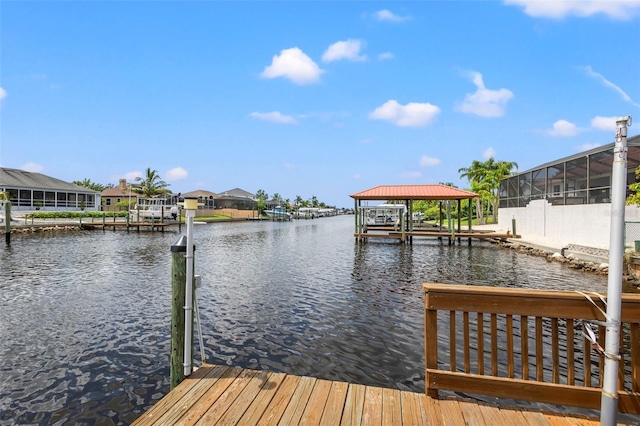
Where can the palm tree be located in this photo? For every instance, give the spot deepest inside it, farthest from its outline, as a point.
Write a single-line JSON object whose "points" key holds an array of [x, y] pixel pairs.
{"points": [[475, 175], [277, 198], [499, 171], [151, 185], [485, 180], [86, 183], [260, 193]]}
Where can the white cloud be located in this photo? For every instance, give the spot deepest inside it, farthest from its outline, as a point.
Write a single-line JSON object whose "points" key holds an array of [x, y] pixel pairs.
{"points": [[426, 161], [591, 73], [357, 176], [385, 56], [131, 176], [386, 15], [485, 102], [410, 175], [412, 114], [295, 65], [274, 117], [563, 128], [288, 166], [177, 173], [587, 147], [32, 167], [348, 49], [558, 9], [366, 141], [3, 93], [489, 153], [604, 123]]}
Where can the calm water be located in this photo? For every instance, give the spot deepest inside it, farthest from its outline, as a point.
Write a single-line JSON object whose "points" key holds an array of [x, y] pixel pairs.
{"points": [[85, 316]]}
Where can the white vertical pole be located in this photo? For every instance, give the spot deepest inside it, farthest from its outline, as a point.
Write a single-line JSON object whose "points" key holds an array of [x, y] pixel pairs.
{"points": [[188, 299], [609, 401]]}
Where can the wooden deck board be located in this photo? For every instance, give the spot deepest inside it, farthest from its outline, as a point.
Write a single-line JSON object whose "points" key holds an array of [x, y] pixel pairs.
{"points": [[335, 404], [353, 405], [298, 402], [217, 410], [372, 409], [391, 407], [277, 406], [233, 396], [316, 403], [451, 412], [268, 391]]}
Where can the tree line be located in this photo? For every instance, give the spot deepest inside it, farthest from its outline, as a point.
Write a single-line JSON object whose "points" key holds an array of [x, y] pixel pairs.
{"points": [[151, 185], [484, 178]]}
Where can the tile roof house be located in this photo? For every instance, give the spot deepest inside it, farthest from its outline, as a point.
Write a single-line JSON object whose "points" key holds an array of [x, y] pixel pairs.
{"points": [[111, 197]]}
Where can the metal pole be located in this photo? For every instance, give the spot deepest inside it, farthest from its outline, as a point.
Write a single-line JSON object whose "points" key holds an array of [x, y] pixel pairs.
{"points": [[188, 302], [609, 401], [190, 205]]}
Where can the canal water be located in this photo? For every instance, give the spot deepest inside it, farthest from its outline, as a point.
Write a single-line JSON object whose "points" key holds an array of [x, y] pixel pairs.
{"points": [[85, 316]]}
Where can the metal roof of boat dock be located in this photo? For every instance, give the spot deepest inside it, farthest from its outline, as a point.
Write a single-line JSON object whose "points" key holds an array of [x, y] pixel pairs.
{"points": [[414, 192]]}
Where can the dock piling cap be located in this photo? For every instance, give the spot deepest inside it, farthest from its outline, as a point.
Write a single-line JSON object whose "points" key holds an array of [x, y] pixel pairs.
{"points": [[180, 245]]}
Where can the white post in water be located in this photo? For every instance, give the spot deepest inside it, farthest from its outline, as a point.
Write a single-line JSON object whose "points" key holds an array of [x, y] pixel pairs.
{"points": [[190, 205], [609, 401]]}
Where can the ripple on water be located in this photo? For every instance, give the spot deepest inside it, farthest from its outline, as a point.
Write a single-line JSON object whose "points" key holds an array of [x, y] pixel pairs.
{"points": [[85, 316]]}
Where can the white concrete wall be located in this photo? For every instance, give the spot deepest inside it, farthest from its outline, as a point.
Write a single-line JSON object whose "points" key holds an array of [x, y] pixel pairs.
{"points": [[584, 224]]}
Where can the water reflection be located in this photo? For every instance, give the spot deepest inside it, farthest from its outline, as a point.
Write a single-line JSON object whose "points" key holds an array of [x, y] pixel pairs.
{"points": [[85, 316]]}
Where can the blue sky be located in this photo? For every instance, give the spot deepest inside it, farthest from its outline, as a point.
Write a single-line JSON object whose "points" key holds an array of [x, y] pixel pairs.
{"points": [[322, 98]]}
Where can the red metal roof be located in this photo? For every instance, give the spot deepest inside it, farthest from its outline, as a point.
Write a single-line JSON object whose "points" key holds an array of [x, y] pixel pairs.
{"points": [[414, 192]]}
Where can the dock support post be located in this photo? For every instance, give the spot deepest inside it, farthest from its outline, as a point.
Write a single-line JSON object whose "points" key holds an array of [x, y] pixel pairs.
{"points": [[7, 222], [609, 400], [178, 278]]}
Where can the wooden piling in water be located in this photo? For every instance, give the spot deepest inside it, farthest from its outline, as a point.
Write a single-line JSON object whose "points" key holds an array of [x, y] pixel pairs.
{"points": [[7, 222], [178, 287]]}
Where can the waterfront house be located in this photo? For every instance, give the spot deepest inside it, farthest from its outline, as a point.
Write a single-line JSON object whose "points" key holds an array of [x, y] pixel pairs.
{"points": [[236, 198], [206, 199], [569, 199], [30, 191], [111, 197]]}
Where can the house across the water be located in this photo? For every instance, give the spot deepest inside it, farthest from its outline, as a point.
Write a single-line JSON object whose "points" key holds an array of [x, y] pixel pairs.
{"points": [[34, 191]]}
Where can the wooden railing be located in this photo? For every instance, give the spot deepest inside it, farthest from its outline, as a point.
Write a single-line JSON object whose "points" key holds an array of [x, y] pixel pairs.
{"points": [[526, 344]]}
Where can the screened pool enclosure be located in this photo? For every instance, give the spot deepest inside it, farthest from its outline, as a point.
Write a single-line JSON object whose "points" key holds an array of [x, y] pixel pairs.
{"points": [[583, 178]]}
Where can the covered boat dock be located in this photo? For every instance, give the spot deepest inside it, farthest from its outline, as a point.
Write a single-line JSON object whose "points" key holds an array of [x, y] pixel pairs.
{"points": [[395, 218]]}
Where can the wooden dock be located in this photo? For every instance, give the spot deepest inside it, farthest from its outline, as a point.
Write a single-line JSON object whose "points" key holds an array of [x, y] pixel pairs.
{"points": [[136, 226], [399, 235], [235, 396]]}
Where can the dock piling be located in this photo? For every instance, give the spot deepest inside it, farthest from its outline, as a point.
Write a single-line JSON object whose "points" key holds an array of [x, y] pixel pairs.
{"points": [[7, 222], [178, 297]]}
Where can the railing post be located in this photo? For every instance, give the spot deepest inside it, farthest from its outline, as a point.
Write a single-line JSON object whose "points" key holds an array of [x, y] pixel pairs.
{"points": [[430, 345]]}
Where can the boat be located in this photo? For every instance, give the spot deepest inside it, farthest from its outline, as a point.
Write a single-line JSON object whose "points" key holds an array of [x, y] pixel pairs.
{"points": [[278, 212], [385, 214], [155, 209], [308, 212]]}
